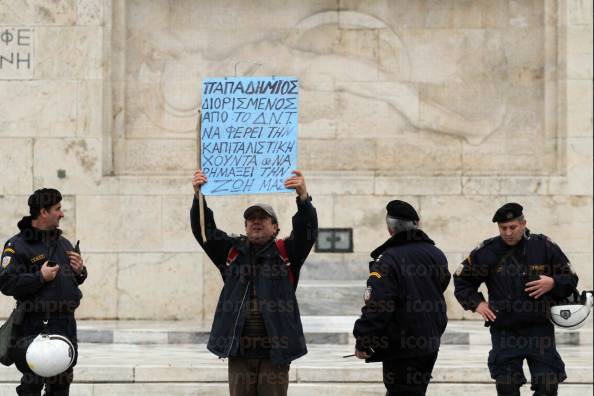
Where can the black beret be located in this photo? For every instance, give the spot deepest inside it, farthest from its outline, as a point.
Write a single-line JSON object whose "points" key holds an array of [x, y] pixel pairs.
{"points": [[402, 210], [508, 212]]}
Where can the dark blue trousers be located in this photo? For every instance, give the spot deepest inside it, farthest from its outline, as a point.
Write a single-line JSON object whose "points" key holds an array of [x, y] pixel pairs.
{"points": [[536, 345]]}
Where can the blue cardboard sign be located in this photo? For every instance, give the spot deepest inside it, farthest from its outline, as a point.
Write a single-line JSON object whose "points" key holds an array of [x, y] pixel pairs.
{"points": [[248, 134]]}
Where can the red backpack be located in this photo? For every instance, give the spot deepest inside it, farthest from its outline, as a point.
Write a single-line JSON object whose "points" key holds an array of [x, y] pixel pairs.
{"points": [[282, 250]]}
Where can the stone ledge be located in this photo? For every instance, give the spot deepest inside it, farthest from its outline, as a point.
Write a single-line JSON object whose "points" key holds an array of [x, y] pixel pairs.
{"points": [[335, 330]]}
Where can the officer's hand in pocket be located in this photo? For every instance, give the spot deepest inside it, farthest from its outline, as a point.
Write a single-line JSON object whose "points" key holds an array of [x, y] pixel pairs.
{"points": [[49, 272]]}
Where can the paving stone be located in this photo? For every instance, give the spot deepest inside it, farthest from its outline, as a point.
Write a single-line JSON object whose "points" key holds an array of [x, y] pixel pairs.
{"points": [[140, 337], [95, 336], [220, 389], [187, 337], [327, 338]]}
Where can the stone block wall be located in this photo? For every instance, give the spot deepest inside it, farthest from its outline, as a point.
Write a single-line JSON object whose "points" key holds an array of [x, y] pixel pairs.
{"points": [[455, 106]]}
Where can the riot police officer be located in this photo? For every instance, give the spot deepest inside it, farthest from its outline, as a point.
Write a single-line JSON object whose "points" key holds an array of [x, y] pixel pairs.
{"points": [[42, 271], [524, 273], [404, 315]]}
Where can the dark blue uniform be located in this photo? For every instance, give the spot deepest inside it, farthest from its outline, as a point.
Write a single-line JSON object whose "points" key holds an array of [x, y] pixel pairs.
{"points": [[55, 301], [405, 311], [521, 329]]}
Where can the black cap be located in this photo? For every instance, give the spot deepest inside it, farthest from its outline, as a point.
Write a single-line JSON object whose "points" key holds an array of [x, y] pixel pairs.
{"points": [[508, 212], [43, 198], [260, 207], [402, 210]]}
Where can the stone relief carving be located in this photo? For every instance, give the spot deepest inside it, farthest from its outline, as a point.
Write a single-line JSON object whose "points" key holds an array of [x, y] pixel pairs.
{"points": [[340, 55]]}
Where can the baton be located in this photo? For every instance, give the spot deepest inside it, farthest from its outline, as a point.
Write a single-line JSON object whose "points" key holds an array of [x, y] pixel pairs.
{"points": [[198, 165], [370, 349]]}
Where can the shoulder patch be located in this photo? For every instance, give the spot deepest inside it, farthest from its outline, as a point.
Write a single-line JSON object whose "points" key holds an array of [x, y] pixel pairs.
{"points": [[367, 295], [376, 274], [6, 261], [9, 250]]}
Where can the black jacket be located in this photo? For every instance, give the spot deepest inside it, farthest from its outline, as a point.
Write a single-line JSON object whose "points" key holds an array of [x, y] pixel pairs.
{"points": [[506, 270], [275, 294], [20, 277], [405, 310]]}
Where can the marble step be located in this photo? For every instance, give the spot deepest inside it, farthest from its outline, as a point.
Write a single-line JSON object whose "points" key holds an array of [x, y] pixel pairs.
{"points": [[125, 364], [330, 298], [336, 266], [330, 389], [318, 330]]}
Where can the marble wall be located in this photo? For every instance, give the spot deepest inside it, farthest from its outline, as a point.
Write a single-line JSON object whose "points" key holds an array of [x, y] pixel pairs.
{"points": [[457, 106]]}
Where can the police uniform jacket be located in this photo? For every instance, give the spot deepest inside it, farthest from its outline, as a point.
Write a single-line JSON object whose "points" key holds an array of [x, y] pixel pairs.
{"points": [[405, 310], [506, 270], [275, 293], [20, 277]]}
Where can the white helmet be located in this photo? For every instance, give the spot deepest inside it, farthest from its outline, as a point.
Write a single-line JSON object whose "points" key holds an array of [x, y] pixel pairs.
{"points": [[50, 355], [572, 316]]}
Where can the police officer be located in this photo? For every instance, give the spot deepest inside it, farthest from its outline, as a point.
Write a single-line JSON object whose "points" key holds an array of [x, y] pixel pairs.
{"points": [[405, 311], [42, 270], [257, 323], [524, 273]]}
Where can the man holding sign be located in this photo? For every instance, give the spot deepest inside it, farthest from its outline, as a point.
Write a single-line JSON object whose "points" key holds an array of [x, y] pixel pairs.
{"points": [[257, 324]]}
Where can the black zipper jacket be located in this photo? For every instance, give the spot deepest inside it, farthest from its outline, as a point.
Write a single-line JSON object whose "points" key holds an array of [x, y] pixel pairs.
{"points": [[506, 270], [405, 310], [275, 294], [20, 277]]}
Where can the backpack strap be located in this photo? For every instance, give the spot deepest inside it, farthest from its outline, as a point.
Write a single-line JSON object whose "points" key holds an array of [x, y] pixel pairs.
{"points": [[282, 250], [232, 255]]}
